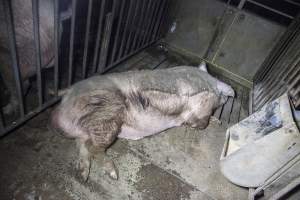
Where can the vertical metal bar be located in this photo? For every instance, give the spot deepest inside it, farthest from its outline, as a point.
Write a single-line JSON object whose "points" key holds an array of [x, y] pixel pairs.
{"points": [[164, 21], [159, 19], [106, 39], [151, 16], [131, 27], [125, 29], [139, 26], [1, 124], [56, 45], [86, 38], [99, 33], [144, 24], [13, 52], [35, 15], [71, 49], [241, 4], [153, 21], [112, 59]]}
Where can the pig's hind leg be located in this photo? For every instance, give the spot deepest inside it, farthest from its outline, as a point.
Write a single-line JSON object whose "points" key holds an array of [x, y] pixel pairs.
{"points": [[94, 149], [102, 125]]}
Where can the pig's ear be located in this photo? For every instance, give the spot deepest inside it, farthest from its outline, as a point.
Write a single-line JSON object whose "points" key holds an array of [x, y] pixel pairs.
{"points": [[202, 66]]}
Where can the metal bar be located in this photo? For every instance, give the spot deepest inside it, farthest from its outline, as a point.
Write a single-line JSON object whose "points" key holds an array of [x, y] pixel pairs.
{"points": [[35, 14], [139, 26], [106, 39], [86, 39], [99, 33], [28, 116], [295, 80], [272, 95], [144, 24], [1, 123], [276, 70], [274, 83], [71, 49], [56, 46], [152, 19], [125, 30], [14, 53], [276, 51], [127, 56], [163, 20], [271, 9], [286, 189], [293, 2], [159, 19], [297, 103], [295, 91], [241, 4], [112, 59], [131, 27], [283, 51]]}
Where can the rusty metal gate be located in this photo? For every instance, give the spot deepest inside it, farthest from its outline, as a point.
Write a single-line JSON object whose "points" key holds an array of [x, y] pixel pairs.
{"points": [[89, 37], [280, 71]]}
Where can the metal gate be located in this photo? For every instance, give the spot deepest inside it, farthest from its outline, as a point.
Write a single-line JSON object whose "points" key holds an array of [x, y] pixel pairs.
{"points": [[280, 72], [89, 37]]}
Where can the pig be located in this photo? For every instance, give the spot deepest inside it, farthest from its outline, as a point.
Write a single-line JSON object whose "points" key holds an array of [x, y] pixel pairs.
{"points": [[23, 23], [134, 105]]}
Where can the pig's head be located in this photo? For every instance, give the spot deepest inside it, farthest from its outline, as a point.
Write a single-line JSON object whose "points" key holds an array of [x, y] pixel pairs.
{"points": [[223, 90]]}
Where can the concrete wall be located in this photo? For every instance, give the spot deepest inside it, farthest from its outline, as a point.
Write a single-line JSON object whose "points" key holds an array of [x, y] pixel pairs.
{"points": [[233, 41]]}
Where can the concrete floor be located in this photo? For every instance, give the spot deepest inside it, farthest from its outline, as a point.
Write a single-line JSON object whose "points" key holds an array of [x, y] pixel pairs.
{"points": [[180, 163]]}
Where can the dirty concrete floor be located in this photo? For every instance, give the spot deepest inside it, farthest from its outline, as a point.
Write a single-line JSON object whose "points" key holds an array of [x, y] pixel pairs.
{"points": [[180, 163]]}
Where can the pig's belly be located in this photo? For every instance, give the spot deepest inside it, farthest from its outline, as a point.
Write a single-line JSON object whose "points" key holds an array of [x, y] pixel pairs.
{"points": [[147, 125]]}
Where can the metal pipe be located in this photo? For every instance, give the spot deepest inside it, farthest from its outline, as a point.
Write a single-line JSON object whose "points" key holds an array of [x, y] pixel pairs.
{"points": [[112, 58], [274, 83], [1, 123], [271, 9], [139, 26], [127, 56], [132, 24], [36, 28], [144, 24], [99, 33], [86, 39], [14, 53], [159, 19], [276, 70], [28, 116], [152, 19], [241, 4], [128, 18], [56, 46], [71, 49], [163, 21], [276, 51], [155, 21], [106, 39]]}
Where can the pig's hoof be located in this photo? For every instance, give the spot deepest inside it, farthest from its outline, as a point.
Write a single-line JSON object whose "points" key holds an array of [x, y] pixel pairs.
{"points": [[83, 169], [216, 120], [109, 168]]}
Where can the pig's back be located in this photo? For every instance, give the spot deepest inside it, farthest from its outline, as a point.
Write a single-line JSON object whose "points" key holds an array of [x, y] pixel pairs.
{"points": [[177, 80]]}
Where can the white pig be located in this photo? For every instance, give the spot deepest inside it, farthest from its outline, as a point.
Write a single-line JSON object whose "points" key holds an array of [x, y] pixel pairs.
{"points": [[134, 105]]}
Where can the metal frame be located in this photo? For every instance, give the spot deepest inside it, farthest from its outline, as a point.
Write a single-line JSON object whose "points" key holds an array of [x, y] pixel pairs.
{"points": [[243, 2], [120, 33]]}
